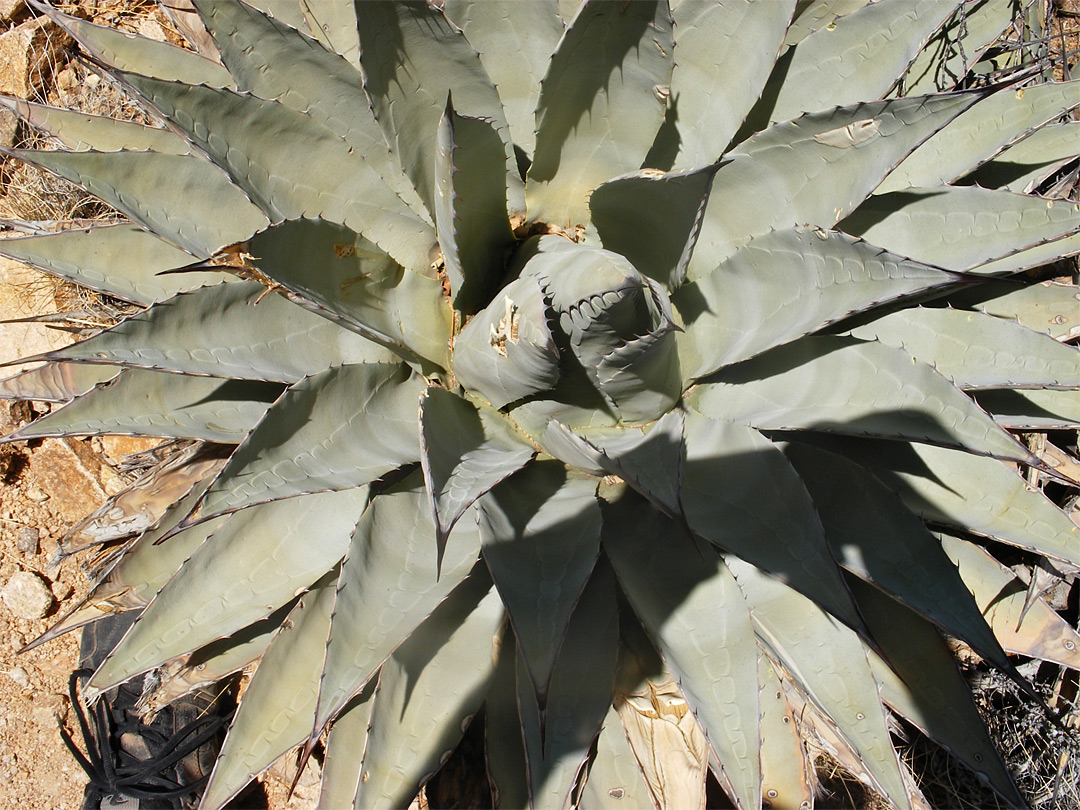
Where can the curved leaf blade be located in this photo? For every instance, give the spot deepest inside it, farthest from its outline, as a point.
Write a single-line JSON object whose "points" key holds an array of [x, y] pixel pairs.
{"points": [[291, 166], [971, 493], [294, 543], [389, 584], [81, 132], [962, 228], [55, 382], [138, 402], [167, 194], [273, 61], [814, 171], [436, 679], [653, 219], [976, 350], [347, 278], [515, 49], [601, 103], [470, 207], [196, 333], [813, 648], [741, 494], [340, 428], [875, 537], [784, 285], [834, 385], [692, 608], [725, 54], [121, 260], [558, 739], [123, 51], [507, 351], [540, 535], [921, 682], [412, 57], [980, 132], [466, 449], [857, 58], [275, 712]]}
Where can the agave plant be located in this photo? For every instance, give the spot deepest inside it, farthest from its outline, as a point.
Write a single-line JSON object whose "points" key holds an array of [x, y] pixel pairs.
{"points": [[615, 373]]}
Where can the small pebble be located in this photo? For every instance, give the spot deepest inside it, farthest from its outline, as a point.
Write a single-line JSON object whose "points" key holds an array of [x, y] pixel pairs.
{"points": [[28, 540], [20, 676], [27, 596], [61, 590], [36, 494]]}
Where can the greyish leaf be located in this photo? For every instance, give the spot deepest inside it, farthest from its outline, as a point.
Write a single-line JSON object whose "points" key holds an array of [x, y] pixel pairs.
{"points": [[515, 49], [971, 493], [614, 778], [81, 132], [276, 709], [837, 385], [601, 103], [784, 285], [876, 538], [786, 772], [653, 219], [412, 57], [347, 278], [558, 738], [980, 132], [271, 60], [642, 377], [962, 228], [976, 350], [470, 207], [857, 58], [921, 682], [814, 649], [55, 382], [138, 402], [691, 606], [167, 194], [344, 753], [121, 260], [253, 564], [725, 53], [295, 167], [814, 170], [648, 459], [1025, 165], [340, 428], [740, 493], [1049, 307], [123, 51], [197, 333], [466, 449], [390, 582], [436, 679], [540, 534], [507, 351], [1033, 409]]}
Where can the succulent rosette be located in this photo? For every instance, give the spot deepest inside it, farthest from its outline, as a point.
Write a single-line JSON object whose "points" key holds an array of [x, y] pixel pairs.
{"points": [[573, 368]]}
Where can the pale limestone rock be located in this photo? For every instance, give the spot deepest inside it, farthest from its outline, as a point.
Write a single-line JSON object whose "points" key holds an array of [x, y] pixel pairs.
{"points": [[28, 54], [27, 596]]}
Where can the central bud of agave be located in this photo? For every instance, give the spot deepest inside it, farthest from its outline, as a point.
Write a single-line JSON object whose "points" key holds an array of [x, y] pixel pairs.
{"points": [[576, 321]]}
